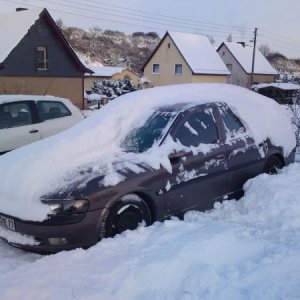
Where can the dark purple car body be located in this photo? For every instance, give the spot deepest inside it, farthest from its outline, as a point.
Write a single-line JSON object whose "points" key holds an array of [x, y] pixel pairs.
{"points": [[197, 181]]}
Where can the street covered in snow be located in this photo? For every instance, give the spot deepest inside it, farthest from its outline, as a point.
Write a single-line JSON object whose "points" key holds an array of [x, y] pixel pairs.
{"points": [[246, 249]]}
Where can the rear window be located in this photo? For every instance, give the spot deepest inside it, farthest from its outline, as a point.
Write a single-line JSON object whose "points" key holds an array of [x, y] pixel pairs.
{"points": [[49, 110]]}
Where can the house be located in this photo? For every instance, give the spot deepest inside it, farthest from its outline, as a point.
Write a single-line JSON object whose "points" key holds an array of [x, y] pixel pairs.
{"points": [[282, 92], [113, 73], [238, 59], [35, 58], [184, 58]]}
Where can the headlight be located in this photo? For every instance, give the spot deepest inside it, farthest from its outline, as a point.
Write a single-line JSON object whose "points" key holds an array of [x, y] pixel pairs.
{"points": [[68, 207]]}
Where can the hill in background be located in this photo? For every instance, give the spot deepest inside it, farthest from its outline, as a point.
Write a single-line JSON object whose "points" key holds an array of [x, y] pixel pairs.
{"points": [[111, 48], [284, 65], [115, 48]]}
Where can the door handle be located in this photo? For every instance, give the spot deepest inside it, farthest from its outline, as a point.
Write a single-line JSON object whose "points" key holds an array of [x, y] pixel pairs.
{"points": [[33, 131]]}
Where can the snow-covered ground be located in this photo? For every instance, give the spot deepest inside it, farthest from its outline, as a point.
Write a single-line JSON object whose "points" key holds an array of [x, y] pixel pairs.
{"points": [[240, 250]]}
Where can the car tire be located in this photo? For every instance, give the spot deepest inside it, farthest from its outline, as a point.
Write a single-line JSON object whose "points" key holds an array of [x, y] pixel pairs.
{"points": [[126, 214], [272, 165]]}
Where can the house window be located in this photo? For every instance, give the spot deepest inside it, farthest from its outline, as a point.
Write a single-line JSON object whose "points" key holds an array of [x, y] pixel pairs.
{"points": [[169, 45], [42, 58], [155, 68], [178, 69]]}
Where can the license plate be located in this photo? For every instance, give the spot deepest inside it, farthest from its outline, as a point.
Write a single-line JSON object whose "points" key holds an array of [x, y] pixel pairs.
{"points": [[7, 223]]}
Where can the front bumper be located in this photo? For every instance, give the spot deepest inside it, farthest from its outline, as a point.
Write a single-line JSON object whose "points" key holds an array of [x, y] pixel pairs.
{"points": [[82, 233]]}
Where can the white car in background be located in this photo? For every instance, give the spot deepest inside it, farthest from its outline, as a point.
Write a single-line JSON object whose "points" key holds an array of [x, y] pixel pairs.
{"points": [[25, 119]]}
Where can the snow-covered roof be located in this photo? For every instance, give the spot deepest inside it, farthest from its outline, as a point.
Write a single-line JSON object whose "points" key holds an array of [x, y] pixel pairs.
{"points": [[144, 79], [13, 27], [96, 143], [287, 86], [199, 53], [95, 97], [104, 71], [244, 56]]}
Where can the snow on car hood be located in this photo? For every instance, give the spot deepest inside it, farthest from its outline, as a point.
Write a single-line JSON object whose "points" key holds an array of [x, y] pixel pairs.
{"points": [[34, 170]]}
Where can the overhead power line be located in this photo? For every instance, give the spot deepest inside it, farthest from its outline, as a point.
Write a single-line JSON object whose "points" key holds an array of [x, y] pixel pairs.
{"points": [[204, 31], [277, 43], [101, 4], [165, 23], [115, 13], [280, 37]]}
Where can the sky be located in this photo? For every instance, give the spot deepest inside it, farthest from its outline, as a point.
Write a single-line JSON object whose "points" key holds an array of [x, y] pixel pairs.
{"points": [[277, 21]]}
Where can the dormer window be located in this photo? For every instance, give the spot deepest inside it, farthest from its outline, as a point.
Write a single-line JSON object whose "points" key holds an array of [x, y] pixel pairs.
{"points": [[42, 58]]}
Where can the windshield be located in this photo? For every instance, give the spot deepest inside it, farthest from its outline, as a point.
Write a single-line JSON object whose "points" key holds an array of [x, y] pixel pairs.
{"points": [[142, 138]]}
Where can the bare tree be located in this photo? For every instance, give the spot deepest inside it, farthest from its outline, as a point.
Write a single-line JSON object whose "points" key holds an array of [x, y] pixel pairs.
{"points": [[265, 50], [295, 109], [60, 23]]}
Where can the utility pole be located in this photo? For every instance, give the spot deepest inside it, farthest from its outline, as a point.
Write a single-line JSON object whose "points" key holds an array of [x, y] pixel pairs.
{"points": [[253, 57]]}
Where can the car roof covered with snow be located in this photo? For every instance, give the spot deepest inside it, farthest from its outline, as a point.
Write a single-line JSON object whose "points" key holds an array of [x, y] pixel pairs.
{"points": [[96, 142], [16, 98]]}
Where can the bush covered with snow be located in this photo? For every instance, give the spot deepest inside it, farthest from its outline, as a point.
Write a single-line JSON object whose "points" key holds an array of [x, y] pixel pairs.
{"points": [[113, 88]]}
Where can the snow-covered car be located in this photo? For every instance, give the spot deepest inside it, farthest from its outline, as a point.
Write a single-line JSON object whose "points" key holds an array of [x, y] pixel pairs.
{"points": [[144, 157], [25, 119]]}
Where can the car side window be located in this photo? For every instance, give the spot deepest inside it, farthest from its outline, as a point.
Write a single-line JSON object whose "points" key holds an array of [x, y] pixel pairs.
{"points": [[15, 114], [232, 123], [49, 110], [199, 128]]}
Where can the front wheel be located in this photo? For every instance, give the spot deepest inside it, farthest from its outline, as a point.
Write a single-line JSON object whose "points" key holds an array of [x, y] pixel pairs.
{"points": [[128, 213], [272, 165]]}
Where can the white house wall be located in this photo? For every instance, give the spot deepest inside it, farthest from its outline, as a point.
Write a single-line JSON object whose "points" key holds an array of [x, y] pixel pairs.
{"points": [[238, 75]]}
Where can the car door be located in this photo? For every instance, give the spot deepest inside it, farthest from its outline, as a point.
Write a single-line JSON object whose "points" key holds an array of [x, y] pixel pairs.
{"points": [[18, 125], [245, 159], [199, 174], [54, 117]]}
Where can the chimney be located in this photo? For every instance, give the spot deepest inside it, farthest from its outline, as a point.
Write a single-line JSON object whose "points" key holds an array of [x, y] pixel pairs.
{"points": [[21, 9], [242, 43]]}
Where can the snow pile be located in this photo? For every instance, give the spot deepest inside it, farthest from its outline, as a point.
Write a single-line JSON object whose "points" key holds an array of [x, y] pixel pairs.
{"points": [[49, 164], [240, 250], [269, 201]]}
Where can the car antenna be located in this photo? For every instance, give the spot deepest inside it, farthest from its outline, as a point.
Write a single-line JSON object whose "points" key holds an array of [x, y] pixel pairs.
{"points": [[47, 89]]}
